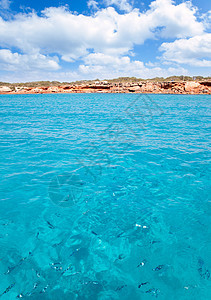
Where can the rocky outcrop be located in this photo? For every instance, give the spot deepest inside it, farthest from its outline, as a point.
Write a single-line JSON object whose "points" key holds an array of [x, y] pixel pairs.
{"points": [[5, 89], [206, 83], [191, 86], [134, 89], [171, 87]]}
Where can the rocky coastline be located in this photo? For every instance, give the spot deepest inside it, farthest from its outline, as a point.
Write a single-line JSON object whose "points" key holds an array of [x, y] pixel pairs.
{"points": [[166, 87]]}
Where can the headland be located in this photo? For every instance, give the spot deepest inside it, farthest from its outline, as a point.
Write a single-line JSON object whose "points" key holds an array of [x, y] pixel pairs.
{"points": [[176, 85]]}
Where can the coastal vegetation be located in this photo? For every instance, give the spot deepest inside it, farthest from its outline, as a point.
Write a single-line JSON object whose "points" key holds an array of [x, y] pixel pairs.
{"points": [[116, 80]]}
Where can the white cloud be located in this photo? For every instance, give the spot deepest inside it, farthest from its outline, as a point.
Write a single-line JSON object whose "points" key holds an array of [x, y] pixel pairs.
{"points": [[71, 36], [103, 41], [5, 4], [15, 61], [92, 4], [195, 51], [206, 18], [105, 60], [177, 20], [123, 5], [96, 65], [99, 65]]}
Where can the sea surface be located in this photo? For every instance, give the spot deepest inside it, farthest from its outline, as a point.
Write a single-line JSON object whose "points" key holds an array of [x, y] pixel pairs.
{"points": [[105, 196]]}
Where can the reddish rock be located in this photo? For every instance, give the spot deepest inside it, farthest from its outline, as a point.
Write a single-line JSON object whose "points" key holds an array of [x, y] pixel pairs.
{"points": [[134, 89], [189, 87]]}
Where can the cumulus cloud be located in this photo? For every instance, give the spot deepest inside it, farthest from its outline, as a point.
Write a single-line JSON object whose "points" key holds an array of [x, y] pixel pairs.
{"points": [[71, 36], [92, 4], [177, 20], [123, 5], [195, 51], [102, 41], [5, 4], [107, 66], [15, 61], [206, 18]]}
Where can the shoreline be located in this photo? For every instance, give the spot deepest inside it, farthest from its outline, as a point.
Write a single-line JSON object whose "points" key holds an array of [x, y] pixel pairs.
{"points": [[166, 87], [121, 93]]}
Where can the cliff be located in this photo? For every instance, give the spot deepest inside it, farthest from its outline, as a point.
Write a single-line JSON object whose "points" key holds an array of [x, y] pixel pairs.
{"points": [[166, 87]]}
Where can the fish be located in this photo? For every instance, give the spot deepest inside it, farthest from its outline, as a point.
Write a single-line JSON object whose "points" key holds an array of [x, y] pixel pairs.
{"points": [[38, 274], [76, 250], [79, 273], [58, 215], [143, 283], [94, 233], [10, 269], [35, 285], [50, 225], [44, 289], [120, 234], [57, 244], [8, 289], [28, 294], [158, 268], [20, 296], [142, 263], [120, 257], [68, 268], [56, 266], [121, 287]]}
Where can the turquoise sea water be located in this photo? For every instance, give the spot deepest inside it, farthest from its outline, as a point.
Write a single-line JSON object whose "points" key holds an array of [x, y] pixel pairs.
{"points": [[105, 197]]}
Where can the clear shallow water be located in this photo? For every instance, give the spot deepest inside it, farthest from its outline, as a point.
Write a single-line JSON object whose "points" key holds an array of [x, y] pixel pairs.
{"points": [[105, 197]]}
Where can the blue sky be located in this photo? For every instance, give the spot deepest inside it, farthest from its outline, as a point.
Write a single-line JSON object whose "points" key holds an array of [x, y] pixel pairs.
{"points": [[74, 40]]}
